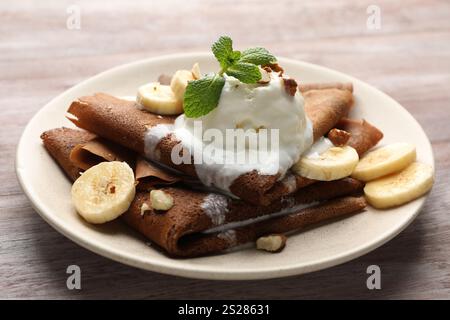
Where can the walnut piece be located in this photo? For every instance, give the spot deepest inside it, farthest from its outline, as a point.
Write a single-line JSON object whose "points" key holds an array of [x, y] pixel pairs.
{"points": [[271, 243], [290, 85], [265, 76], [275, 67], [161, 200], [338, 137], [144, 207]]}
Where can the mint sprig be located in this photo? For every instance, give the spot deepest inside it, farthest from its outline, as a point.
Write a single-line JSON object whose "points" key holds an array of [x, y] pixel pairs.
{"points": [[223, 51], [245, 72], [258, 56], [203, 95]]}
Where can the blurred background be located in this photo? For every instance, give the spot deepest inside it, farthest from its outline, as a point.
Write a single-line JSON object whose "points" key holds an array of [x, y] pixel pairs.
{"points": [[409, 44], [401, 47]]}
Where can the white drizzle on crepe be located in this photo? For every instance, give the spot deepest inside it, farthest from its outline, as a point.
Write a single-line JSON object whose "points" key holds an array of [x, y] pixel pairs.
{"points": [[153, 136], [229, 236], [215, 206], [290, 182], [238, 224]]}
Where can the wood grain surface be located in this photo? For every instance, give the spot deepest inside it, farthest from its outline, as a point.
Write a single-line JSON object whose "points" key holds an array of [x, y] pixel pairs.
{"points": [[408, 58]]}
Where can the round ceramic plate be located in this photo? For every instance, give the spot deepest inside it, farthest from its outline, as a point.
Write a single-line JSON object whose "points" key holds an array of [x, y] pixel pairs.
{"points": [[49, 190]]}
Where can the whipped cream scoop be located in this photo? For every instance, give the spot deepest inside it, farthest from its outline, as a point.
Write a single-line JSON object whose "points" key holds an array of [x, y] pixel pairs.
{"points": [[249, 108]]}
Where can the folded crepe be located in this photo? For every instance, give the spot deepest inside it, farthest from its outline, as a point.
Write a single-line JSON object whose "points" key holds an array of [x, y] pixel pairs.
{"points": [[96, 150], [149, 175], [60, 143], [303, 87], [78, 150], [125, 123], [202, 223], [363, 135]]}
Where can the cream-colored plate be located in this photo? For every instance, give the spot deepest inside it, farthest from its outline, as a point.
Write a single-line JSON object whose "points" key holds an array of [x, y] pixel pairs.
{"points": [[315, 249]]}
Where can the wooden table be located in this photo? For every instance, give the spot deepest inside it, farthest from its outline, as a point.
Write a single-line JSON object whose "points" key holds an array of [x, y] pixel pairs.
{"points": [[408, 57]]}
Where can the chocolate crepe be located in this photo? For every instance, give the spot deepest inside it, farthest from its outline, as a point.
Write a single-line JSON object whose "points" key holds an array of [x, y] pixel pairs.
{"points": [[117, 120], [363, 135], [124, 123], [78, 150], [96, 150], [303, 87], [326, 107], [186, 230], [149, 176], [60, 143]]}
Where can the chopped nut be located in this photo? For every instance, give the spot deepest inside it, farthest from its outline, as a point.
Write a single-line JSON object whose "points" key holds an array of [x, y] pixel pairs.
{"points": [[275, 67], [144, 207], [271, 243], [265, 77], [161, 200], [290, 85], [267, 69], [338, 137]]}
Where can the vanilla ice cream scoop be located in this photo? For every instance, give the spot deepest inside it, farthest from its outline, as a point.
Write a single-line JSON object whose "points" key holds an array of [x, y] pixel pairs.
{"points": [[247, 111]]}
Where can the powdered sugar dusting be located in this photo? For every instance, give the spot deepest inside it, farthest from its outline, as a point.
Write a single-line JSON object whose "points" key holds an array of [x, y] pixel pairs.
{"points": [[229, 236], [290, 182], [238, 224], [215, 206]]}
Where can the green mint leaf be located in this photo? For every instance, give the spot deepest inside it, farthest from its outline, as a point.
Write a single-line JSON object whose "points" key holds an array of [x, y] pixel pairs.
{"points": [[202, 95], [223, 49], [258, 56], [244, 72], [234, 57]]}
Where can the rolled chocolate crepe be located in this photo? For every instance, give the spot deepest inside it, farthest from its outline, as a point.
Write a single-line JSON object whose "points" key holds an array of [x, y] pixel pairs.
{"points": [[60, 143], [117, 120], [96, 150], [124, 123], [201, 223], [325, 108], [78, 150], [363, 135], [149, 176], [303, 87]]}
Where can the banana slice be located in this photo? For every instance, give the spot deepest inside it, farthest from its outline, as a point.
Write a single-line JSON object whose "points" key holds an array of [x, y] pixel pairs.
{"points": [[104, 192], [385, 160], [399, 188], [332, 164], [196, 73], [179, 83], [159, 99]]}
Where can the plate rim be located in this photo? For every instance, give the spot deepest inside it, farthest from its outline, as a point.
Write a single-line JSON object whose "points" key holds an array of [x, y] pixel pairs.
{"points": [[207, 272]]}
